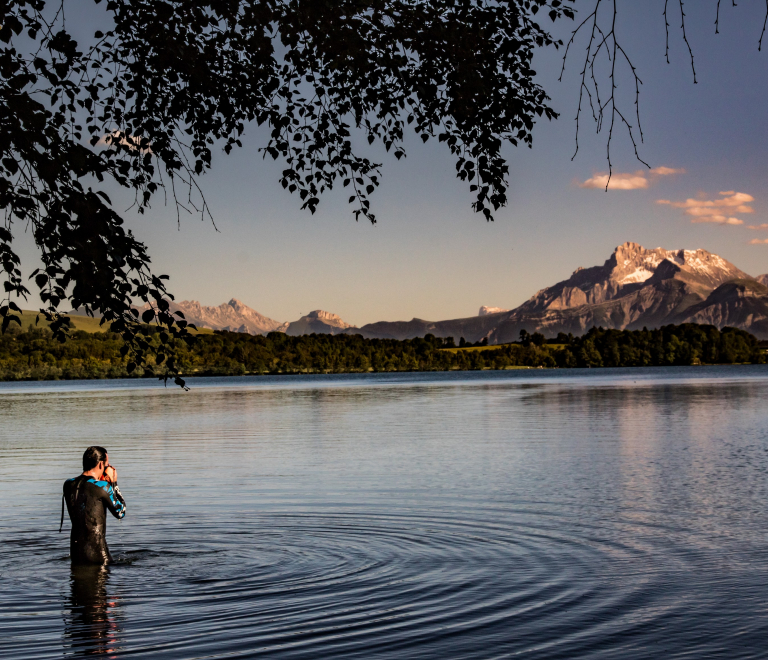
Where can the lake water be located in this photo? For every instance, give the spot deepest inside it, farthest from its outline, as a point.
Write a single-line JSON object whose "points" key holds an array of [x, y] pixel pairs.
{"points": [[536, 514]]}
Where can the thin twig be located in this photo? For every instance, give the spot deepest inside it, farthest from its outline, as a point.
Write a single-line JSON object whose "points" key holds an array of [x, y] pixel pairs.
{"points": [[604, 43], [717, 18], [685, 38]]}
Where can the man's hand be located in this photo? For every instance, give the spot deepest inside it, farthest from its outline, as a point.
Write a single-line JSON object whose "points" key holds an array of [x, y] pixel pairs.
{"points": [[110, 474]]}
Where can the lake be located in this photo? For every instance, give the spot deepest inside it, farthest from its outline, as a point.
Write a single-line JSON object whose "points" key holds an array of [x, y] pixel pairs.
{"points": [[612, 513]]}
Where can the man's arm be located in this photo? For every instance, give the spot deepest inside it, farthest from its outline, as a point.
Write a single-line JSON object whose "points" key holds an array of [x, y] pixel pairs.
{"points": [[118, 494], [113, 500], [110, 475], [64, 498]]}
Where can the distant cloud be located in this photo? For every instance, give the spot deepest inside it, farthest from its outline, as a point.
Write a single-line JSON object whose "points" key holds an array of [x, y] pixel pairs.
{"points": [[763, 227], [759, 241], [617, 181], [623, 181], [719, 211], [666, 171]]}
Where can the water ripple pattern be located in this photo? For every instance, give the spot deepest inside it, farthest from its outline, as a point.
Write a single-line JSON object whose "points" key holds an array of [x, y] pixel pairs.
{"points": [[620, 515]]}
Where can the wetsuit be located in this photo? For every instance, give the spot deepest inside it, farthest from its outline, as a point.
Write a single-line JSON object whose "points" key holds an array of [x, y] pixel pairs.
{"points": [[87, 502]]}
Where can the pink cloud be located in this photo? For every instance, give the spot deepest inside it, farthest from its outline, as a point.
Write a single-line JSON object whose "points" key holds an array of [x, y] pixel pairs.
{"points": [[764, 227], [635, 181], [623, 181], [667, 171], [759, 241], [719, 211]]}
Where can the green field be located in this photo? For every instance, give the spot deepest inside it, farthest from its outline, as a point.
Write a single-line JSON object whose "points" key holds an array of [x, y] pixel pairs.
{"points": [[469, 349], [493, 347], [84, 323]]}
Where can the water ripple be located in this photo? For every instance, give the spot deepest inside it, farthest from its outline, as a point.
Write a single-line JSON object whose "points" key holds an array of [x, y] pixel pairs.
{"points": [[480, 520]]}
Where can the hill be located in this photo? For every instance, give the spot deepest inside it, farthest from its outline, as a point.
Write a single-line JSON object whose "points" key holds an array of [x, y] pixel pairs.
{"points": [[78, 321], [84, 323]]}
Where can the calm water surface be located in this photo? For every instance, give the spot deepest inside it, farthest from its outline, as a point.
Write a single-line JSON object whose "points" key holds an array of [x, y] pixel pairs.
{"points": [[604, 514]]}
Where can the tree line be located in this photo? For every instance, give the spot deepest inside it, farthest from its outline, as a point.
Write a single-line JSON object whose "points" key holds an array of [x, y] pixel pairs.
{"points": [[35, 354]]}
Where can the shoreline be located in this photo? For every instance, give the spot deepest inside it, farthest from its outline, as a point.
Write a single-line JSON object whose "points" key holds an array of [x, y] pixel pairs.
{"points": [[614, 375], [370, 372]]}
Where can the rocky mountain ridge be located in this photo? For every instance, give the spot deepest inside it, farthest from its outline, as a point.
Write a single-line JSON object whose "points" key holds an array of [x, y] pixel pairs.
{"points": [[630, 268], [739, 303], [634, 288], [319, 322], [235, 316]]}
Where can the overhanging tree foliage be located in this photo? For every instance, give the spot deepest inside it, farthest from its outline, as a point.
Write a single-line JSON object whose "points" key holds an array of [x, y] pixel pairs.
{"points": [[166, 82]]}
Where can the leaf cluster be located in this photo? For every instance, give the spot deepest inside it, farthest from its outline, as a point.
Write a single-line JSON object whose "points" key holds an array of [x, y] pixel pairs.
{"points": [[145, 103]]}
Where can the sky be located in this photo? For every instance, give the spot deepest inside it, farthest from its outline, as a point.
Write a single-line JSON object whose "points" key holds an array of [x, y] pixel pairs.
{"points": [[429, 256]]}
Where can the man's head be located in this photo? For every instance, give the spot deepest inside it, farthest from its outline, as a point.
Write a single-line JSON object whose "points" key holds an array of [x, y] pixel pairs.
{"points": [[95, 457]]}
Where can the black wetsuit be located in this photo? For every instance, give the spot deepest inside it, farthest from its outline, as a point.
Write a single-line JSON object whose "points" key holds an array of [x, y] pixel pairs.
{"points": [[87, 503]]}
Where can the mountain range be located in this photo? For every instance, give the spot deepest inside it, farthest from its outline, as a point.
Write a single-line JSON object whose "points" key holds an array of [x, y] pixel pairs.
{"points": [[635, 288], [235, 316]]}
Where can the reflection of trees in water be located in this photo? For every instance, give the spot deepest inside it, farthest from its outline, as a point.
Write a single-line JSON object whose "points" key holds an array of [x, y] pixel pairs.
{"points": [[90, 625]]}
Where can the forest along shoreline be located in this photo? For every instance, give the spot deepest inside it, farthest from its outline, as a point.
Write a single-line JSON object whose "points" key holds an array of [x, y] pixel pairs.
{"points": [[33, 354]]}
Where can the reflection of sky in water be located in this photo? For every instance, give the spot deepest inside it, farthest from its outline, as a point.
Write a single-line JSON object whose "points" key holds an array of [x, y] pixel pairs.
{"points": [[417, 516]]}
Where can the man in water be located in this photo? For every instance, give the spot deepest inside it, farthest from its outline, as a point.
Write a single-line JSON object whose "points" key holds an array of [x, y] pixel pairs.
{"points": [[88, 497]]}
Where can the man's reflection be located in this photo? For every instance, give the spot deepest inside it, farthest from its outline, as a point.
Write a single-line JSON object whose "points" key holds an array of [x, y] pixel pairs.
{"points": [[90, 626]]}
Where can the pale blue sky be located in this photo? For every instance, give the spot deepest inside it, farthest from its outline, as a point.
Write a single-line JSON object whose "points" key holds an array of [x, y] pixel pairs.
{"points": [[429, 256]]}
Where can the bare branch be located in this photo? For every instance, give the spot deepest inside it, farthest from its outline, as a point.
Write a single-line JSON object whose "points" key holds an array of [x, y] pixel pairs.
{"points": [[603, 45], [685, 38]]}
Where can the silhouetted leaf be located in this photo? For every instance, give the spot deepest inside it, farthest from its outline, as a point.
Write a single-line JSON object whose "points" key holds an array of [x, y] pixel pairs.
{"points": [[179, 77]]}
